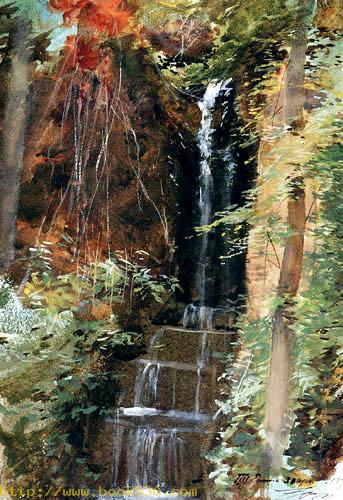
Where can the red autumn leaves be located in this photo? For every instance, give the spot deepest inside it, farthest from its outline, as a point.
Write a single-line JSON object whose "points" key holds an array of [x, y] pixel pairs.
{"points": [[94, 18], [82, 51], [86, 53], [106, 16]]}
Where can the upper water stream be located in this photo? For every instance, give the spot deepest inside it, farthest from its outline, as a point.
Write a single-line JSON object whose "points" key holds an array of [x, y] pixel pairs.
{"points": [[200, 314]]}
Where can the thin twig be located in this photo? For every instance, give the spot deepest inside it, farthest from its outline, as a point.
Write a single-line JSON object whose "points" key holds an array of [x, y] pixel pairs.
{"points": [[276, 255], [310, 210]]}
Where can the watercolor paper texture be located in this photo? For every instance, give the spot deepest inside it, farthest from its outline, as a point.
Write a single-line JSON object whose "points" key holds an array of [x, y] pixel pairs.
{"points": [[171, 198]]}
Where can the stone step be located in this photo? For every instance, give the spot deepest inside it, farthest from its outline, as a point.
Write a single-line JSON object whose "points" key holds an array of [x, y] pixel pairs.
{"points": [[158, 456], [162, 425], [180, 329], [162, 418], [176, 365], [174, 386], [189, 346], [177, 443], [168, 403]]}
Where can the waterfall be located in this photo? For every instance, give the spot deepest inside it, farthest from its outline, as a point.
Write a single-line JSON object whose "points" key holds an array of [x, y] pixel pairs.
{"points": [[205, 182], [157, 436], [157, 441], [154, 457], [201, 316]]}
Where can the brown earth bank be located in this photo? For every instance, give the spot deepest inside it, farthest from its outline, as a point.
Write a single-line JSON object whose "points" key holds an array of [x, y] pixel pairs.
{"points": [[97, 175]]}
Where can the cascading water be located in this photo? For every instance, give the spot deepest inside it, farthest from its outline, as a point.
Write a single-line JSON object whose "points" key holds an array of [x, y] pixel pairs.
{"points": [[158, 435], [157, 440], [201, 316]]}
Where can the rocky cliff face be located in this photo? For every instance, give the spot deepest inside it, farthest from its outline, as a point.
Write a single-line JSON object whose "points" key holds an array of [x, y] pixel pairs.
{"points": [[98, 175]]}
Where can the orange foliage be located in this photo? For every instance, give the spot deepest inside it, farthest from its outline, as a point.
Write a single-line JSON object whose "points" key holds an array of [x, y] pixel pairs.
{"points": [[107, 16], [82, 51], [70, 8], [105, 71], [85, 53], [65, 5]]}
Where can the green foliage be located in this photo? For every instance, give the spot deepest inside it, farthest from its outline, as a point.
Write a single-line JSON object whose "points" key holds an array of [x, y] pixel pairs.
{"points": [[5, 293], [168, 11], [247, 31], [60, 350], [249, 39], [245, 377], [144, 283], [54, 377], [319, 324], [317, 426], [318, 332], [112, 281]]}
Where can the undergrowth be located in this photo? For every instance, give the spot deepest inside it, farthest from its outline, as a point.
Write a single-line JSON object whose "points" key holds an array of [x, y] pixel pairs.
{"points": [[61, 346]]}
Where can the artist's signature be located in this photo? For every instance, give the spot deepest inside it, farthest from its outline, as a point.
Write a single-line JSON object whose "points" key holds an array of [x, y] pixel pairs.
{"points": [[258, 478], [306, 485]]}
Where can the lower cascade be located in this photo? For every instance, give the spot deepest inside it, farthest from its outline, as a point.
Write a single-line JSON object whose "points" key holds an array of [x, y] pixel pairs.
{"points": [[159, 436]]}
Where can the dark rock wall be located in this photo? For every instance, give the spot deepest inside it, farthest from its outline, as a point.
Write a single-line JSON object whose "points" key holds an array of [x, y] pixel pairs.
{"points": [[122, 199], [232, 176]]}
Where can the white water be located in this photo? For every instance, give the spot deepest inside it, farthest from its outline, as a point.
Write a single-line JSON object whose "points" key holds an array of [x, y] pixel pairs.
{"points": [[180, 415], [150, 445], [154, 456], [198, 317], [205, 201], [202, 316]]}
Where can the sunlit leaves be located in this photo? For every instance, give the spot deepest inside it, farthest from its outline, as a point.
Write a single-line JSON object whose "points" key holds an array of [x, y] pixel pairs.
{"points": [[106, 16]]}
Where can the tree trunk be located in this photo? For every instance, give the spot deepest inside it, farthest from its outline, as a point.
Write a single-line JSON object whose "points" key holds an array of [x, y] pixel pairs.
{"points": [[13, 144], [282, 336], [294, 83], [280, 370]]}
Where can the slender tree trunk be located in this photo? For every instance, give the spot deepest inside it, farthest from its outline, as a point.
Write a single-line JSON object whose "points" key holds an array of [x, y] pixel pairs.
{"points": [[282, 335], [280, 371], [294, 83], [12, 149]]}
